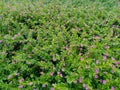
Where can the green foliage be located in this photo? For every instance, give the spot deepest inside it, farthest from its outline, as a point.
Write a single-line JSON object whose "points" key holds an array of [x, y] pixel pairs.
{"points": [[59, 44]]}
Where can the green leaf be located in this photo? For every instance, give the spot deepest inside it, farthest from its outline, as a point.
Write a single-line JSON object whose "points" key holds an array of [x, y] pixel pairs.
{"points": [[61, 87]]}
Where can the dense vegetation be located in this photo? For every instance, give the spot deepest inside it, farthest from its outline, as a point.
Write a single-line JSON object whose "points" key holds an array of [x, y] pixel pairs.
{"points": [[59, 45]]}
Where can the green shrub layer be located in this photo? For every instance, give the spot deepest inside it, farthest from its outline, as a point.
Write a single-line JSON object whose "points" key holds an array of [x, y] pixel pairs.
{"points": [[59, 45]]}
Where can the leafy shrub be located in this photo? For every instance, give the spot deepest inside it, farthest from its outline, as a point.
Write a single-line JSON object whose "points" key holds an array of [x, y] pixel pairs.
{"points": [[61, 45]]}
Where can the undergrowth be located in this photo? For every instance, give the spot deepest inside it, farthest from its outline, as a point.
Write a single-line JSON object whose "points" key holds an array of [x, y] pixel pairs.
{"points": [[59, 45]]}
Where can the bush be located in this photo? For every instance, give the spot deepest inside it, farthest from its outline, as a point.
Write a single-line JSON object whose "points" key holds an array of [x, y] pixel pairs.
{"points": [[61, 45]]}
